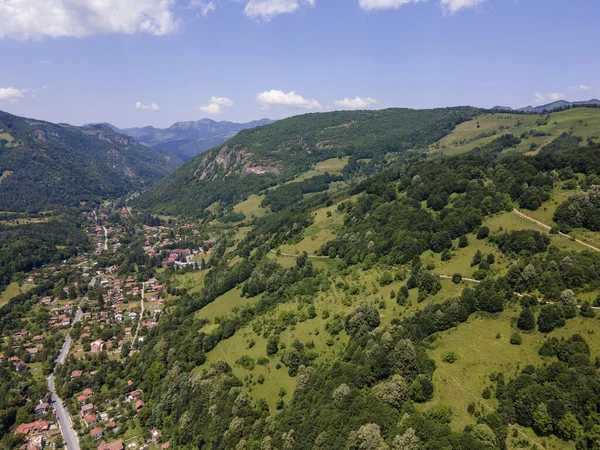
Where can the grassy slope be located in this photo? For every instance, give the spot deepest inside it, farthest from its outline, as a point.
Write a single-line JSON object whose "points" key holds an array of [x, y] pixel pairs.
{"points": [[584, 122]]}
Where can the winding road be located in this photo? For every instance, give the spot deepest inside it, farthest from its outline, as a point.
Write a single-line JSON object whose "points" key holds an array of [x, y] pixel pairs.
{"points": [[64, 419]]}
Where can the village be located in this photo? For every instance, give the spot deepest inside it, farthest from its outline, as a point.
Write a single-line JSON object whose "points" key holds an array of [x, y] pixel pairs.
{"points": [[100, 309]]}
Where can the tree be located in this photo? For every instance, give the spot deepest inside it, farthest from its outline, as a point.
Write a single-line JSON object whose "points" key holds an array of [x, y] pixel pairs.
{"points": [[476, 258], [272, 345], [550, 318], [408, 441], [483, 232], [392, 392], [485, 435], [516, 339], [587, 310], [526, 320], [542, 421], [456, 278], [463, 241], [568, 298], [569, 428], [368, 437]]}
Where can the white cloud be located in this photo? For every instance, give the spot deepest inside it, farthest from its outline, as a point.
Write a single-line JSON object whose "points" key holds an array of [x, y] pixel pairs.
{"points": [[37, 19], [215, 104], [204, 6], [452, 6], [12, 94], [449, 6], [266, 9], [580, 88], [548, 97], [371, 5], [152, 106], [356, 103], [277, 97]]}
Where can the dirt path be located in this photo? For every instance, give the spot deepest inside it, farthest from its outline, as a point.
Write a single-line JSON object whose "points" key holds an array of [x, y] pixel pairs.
{"points": [[547, 227]]}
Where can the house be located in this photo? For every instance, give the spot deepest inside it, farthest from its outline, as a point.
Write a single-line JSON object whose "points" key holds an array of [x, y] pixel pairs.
{"points": [[41, 409], [33, 351], [82, 399], [139, 405], [76, 374], [87, 409], [98, 346], [2, 358], [116, 445], [96, 433], [134, 395], [87, 391], [111, 426], [90, 419], [20, 366], [33, 427]]}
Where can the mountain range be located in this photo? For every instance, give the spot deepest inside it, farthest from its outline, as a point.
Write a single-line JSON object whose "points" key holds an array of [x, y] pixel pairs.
{"points": [[45, 165], [188, 139], [560, 104]]}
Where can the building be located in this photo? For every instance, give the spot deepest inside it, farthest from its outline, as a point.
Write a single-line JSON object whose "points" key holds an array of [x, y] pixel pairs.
{"points": [[116, 445], [96, 433], [98, 346]]}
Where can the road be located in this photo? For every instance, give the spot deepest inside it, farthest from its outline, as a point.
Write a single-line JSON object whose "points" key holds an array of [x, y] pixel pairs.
{"points": [[139, 324], [64, 420], [105, 238], [548, 227]]}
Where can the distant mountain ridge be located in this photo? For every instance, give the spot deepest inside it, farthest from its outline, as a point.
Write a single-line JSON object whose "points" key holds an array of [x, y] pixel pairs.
{"points": [[559, 104], [45, 165], [188, 139]]}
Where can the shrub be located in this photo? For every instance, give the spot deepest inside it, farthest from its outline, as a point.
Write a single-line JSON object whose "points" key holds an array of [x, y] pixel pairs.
{"points": [[516, 339]]}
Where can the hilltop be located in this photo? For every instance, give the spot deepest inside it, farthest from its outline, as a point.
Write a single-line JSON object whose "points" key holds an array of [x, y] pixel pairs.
{"points": [[45, 165], [188, 139]]}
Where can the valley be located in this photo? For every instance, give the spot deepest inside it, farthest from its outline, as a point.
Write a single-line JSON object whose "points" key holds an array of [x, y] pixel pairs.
{"points": [[416, 271]]}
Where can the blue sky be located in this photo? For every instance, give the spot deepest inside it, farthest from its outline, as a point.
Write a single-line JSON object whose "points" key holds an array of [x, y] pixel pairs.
{"points": [[155, 62]]}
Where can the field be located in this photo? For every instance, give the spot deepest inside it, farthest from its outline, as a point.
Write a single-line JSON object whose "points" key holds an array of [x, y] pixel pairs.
{"points": [[482, 347], [584, 122], [12, 290], [251, 207], [333, 166], [317, 234]]}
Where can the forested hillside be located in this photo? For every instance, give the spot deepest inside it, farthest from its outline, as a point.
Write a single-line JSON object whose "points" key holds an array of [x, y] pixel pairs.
{"points": [[43, 165], [419, 308], [258, 158]]}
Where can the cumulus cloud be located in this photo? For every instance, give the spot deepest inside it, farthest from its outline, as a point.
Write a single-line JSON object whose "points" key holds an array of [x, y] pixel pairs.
{"points": [[12, 94], [150, 107], [452, 6], [355, 103], [215, 104], [370, 5], [449, 6], [580, 88], [266, 9], [37, 19], [277, 97], [548, 97]]}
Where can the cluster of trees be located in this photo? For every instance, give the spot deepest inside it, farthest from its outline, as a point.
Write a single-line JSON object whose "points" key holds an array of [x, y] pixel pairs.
{"points": [[580, 211], [288, 194], [560, 398], [25, 247]]}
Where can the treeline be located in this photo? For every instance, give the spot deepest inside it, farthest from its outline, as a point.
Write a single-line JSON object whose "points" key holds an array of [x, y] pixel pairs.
{"points": [[291, 193]]}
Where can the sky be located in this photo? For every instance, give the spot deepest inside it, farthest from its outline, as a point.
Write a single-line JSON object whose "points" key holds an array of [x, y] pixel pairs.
{"points": [[156, 62]]}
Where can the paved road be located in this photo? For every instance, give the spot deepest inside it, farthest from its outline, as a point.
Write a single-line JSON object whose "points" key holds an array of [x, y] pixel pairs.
{"points": [[64, 420], [105, 238], [137, 330]]}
